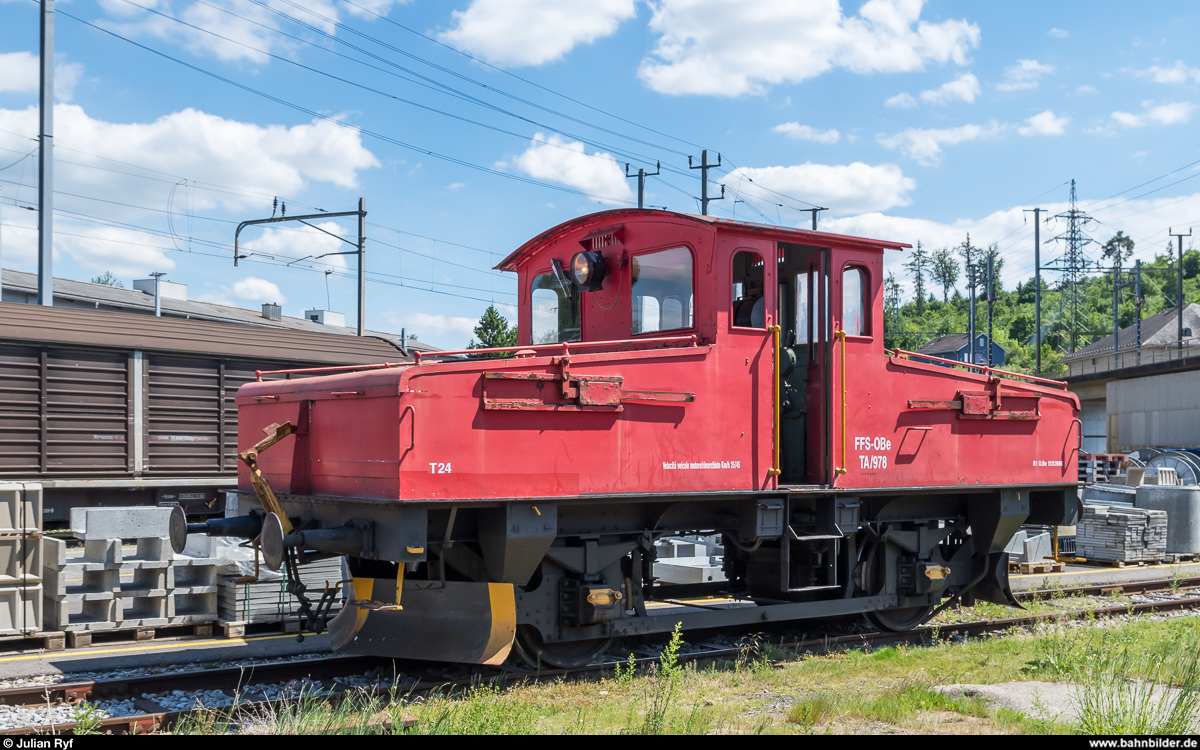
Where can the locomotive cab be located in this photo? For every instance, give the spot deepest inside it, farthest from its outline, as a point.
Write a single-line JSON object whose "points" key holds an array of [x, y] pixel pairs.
{"points": [[674, 375]]}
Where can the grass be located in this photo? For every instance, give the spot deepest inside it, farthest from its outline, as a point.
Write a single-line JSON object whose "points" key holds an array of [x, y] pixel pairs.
{"points": [[893, 689]]}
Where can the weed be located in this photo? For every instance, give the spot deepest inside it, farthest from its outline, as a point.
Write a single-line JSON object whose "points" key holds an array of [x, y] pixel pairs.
{"points": [[87, 718], [483, 709], [1125, 692], [624, 676], [665, 684], [1175, 581], [812, 711]]}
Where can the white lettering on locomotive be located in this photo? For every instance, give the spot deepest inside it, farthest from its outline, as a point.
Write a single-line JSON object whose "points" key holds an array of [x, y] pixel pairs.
{"points": [[439, 468]]}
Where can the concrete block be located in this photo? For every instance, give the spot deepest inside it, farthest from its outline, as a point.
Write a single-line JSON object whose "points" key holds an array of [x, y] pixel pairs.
{"points": [[145, 611], [77, 582], [194, 607], [120, 523], [20, 506], [74, 615], [148, 582], [20, 609], [20, 559], [689, 570]]}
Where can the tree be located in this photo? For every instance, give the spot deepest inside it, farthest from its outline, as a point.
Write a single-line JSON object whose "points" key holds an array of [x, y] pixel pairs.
{"points": [[968, 252], [1119, 249], [945, 271], [493, 331], [108, 279], [993, 253], [918, 266]]}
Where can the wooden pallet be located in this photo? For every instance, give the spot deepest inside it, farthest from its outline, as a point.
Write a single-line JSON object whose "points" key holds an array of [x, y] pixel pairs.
{"points": [[243, 629], [48, 640], [1181, 557], [1042, 566], [84, 638], [1121, 563]]}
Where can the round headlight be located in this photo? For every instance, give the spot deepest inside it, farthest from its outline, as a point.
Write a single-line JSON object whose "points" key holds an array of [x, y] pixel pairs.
{"points": [[587, 270]]}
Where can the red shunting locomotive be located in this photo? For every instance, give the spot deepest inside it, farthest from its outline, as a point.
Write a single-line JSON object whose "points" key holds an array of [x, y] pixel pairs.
{"points": [[675, 374]]}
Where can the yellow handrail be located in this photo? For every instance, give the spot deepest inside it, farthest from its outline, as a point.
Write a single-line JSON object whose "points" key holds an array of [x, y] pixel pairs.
{"points": [[775, 471], [841, 336]]}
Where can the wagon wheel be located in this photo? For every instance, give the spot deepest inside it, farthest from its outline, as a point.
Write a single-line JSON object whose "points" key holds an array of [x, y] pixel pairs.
{"points": [[873, 567], [564, 654]]}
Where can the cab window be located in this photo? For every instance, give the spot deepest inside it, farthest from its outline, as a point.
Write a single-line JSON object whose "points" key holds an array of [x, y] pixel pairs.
{"points": [[555, 310], [749, 303], [854, 301], [661, 290]]}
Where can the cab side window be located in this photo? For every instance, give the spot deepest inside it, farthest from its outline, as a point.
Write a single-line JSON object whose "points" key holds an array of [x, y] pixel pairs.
{"points": [[555, 310], [855, 284], [749, 308], [661, 290]]}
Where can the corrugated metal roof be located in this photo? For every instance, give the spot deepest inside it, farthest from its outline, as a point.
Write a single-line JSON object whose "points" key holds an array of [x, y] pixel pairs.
{"points": [[100, 328], [1161, 329], [112, 298]]}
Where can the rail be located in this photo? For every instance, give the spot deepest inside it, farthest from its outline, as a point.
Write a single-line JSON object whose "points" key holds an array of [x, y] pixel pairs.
{"points": [[904, 354], [346, 368], [564, 346]]}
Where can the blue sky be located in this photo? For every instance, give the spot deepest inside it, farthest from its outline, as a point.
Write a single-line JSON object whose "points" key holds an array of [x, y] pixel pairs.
{"points": [[471, 126]]}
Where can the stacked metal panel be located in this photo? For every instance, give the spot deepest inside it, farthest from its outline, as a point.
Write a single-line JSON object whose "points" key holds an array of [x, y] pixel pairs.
{"points": [[269, 601], [1121, 534], [115, 586], [20, 558]]}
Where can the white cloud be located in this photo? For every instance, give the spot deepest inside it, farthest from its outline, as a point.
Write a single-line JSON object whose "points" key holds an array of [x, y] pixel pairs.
{"points": [[1044, 123], [254, 31], [1058, 33], [903, 100], [443, 331], [1177, 73], [20, 73], [295, 242], [728, 49], [844, 188], [1023, 75], [925, 145], [800, 132], [533, 32], [556, 159], [125, 252], [1086, 89], [254, 289], [1164, 114], [456, 186], [264, 159], [964, 88]]}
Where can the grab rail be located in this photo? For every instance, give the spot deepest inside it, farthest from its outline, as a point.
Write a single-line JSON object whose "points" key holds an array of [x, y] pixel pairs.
{"points": [[565, 346], [983, 368]]}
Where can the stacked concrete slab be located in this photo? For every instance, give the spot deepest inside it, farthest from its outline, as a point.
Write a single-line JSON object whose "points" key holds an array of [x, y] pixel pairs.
{"points": [[1121, 534], [128, 577], [20, 558], [267, 600]]}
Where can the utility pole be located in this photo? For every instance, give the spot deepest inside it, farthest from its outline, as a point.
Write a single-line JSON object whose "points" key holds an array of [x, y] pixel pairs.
{"points": [[1116, 284], [641, 178], [972, 277], [704, 166], [362, 263], [1037, 288], [46, 162], [360, 246], [990, 296], [814, 211], [1137, 302], [1179, 287]]}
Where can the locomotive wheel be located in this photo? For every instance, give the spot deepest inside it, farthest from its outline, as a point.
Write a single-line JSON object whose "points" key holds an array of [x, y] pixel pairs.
{"points": [[890, 620], [565, 654]]}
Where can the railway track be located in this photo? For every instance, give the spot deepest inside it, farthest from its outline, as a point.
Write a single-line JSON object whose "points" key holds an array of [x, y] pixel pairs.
{"points": [[328, 674]]}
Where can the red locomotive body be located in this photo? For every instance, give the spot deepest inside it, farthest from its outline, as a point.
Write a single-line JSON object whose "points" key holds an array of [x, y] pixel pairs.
{"points": [[674, 374]]}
